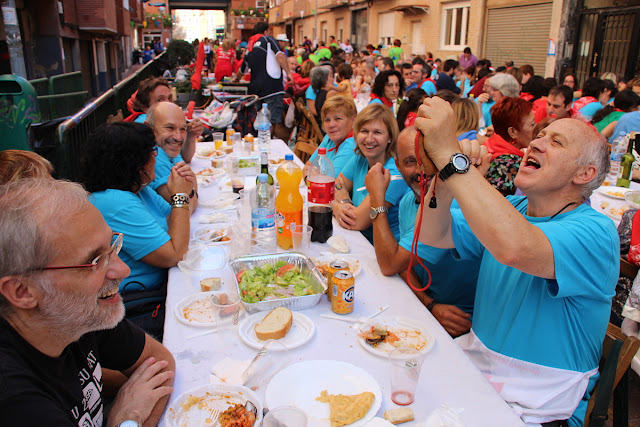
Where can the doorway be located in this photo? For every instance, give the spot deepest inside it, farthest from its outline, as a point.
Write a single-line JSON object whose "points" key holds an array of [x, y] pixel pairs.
{"points": [[359, 28]]}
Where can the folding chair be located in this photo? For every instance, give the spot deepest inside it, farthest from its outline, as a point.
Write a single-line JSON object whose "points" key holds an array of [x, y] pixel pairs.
{"points": [[308, 136]]}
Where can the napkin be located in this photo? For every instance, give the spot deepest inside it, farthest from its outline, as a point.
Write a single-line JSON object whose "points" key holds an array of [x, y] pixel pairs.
{"points": [[211, 218], [445, 416], [378, 422], [229, 371]]}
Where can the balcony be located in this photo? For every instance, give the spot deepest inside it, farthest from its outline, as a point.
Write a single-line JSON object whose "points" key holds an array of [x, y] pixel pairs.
{"points": [[97, 16]]}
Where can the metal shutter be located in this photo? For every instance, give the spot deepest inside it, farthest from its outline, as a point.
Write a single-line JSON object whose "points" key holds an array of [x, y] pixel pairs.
{"points": [[519, 34]]}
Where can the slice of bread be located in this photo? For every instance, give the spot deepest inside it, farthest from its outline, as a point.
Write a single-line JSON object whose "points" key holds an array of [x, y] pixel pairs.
{"points": [[275, 325], [400, 415], [210, 284]]}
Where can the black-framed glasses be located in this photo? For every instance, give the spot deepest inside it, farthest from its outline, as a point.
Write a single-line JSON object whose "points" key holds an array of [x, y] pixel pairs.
{"points": [[100, 262]]}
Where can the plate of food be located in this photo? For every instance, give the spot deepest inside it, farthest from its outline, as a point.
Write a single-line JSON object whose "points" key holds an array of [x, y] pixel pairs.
{"points": [[216, 234], [388, 333], [220, 201], [215, 172], [197, 407], [290, 328], [330, 392], [614, 192], [209, 152], [196, 310], [322, 263]]}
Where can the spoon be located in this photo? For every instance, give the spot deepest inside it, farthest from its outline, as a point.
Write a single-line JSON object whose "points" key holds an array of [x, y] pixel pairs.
{"points": [[250, 407]]}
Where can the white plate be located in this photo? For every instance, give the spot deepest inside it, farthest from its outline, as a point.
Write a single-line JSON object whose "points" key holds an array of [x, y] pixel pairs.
{"points": [[201, 297], [298, 385], [216, 396], [355, 266], [383, 349], [616, 212], [215, 172], [611, 191], [203, 234], [221, 200], [301, 332]]}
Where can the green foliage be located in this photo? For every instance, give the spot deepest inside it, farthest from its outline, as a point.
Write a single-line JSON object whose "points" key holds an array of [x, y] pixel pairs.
{"points": [[183, 86], [180, 52]]}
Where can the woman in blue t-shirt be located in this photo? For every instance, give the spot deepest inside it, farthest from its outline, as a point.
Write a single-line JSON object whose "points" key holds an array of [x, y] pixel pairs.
{"points": [[119, 164], [376, 132]]}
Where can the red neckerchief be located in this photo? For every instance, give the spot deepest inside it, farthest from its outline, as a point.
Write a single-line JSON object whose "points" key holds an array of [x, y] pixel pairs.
{"points": [[583, 101], [428, 79], [634, 247], [410, 120], [336, 147], [133, 116], [252, 40], [384, 100], [526, 96], [497, 146]]}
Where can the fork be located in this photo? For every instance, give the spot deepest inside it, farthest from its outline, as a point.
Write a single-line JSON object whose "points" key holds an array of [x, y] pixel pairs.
{"points": [[214, 414]]}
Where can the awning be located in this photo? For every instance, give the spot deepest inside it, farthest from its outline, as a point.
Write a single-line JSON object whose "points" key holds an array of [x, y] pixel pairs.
{"points": [[335, 4], [412, 9]]}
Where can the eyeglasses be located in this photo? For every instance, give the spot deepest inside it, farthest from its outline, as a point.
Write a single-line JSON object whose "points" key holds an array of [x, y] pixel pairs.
{"points": [[154, 150], [100, 262]]}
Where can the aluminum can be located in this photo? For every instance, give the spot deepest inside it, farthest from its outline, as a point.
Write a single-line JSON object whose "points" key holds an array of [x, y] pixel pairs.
{"points": [[342, 295], [334, 266]]}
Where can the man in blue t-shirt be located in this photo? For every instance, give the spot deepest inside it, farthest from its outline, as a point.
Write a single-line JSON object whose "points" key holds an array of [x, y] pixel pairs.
{"points": [[170, 128], [549, 262], [453, 283]]}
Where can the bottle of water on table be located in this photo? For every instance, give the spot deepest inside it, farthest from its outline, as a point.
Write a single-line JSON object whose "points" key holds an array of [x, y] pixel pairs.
{"points": [[263, 221], [618, 148], [262, 125]]}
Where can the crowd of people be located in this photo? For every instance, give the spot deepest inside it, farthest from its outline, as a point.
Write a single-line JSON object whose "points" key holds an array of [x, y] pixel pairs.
{"points": [[483, 174]]}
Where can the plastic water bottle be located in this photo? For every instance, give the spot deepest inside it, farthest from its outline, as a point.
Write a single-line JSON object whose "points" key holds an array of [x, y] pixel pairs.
{"points": [[322, 184], [618, 148], [263, 221], [262, 125]]}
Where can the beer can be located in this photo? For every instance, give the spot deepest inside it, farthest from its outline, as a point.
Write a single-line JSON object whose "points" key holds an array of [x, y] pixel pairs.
{"points": [[334, 266], [342, 295]]}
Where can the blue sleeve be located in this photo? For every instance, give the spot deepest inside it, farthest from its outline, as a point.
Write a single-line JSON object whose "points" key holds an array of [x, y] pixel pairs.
{"points": [[310, 94], [349, 170], [467, 245], [396, 191], [344, 155], [585, 252], [142, 234], [590, 109]]}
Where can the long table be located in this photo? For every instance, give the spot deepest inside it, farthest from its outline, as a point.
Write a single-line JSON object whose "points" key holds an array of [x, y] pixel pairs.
{"points": [[448, 376]]}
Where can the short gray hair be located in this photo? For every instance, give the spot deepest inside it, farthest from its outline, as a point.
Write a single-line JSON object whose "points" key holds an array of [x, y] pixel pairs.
{"points": [[318, 77], [506, 84], [29, 212], [594, 152]]}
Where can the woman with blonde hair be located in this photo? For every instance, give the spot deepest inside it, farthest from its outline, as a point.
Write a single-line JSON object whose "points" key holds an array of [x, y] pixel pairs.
{"points": [[376, 132], [225, 57], [19, 164], [467, 118]]}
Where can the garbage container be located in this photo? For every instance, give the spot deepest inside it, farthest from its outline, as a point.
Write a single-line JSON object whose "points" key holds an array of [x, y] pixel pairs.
{"points": [[18, 109]]}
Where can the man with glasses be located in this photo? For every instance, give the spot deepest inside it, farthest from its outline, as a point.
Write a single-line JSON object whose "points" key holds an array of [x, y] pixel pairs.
{"points": [[61, 317]]}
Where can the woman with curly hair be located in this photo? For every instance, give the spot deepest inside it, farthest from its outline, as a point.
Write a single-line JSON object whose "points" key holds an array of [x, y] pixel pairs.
{"points": [[388, 89], [513, 124], [118, 166]]}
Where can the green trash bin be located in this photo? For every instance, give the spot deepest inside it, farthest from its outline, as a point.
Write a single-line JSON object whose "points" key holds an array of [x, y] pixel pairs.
{"points": [[18, 109]]}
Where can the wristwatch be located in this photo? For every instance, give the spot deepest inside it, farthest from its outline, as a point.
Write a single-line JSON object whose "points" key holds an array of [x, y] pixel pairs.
{"points": [[343, 201], [459, 163], [129, 423], [373, 212], [432, 304]]}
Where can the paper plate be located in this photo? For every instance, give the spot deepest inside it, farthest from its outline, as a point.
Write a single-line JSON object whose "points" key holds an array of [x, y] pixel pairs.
{"points": [[202, 308], [416, 334], [222, 200], [301, 332], [298, 385], [613, 192], [207, 233], [193, 408], [215, 172]]}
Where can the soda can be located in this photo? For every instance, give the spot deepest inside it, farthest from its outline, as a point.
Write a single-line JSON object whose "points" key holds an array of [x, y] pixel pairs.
{"points": [[342, 287], [334, 266]]}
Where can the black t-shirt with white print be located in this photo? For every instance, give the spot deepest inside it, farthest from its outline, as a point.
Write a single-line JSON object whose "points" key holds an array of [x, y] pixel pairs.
{"points": [[38, 390], [261, 83]]}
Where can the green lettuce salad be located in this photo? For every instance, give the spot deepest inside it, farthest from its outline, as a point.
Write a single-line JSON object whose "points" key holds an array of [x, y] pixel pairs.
{"points": [[269, 282]]}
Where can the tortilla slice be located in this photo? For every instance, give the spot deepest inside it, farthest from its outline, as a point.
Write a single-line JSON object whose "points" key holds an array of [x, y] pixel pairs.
{"points": [[347, 409]]}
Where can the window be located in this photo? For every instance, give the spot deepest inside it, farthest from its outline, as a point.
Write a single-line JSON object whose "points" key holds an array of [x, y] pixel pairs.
{"points": [[386, 28], [455, 26]]}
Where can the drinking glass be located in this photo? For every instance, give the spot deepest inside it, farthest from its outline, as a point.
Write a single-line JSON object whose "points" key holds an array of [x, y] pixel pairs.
{"points": [[228, 311], [218, 139], [285, 416], [404, 371], [301, 237]]}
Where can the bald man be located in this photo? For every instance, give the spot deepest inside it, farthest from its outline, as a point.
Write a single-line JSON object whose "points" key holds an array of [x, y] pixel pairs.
{"points": [[549, 262], [453, 283], [170, 129]]}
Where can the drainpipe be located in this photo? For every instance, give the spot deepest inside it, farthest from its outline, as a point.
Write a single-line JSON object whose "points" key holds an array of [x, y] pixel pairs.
{"points": [[14, 41]]}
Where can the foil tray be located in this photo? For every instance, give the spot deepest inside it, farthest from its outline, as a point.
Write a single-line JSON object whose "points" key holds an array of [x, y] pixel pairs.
{"points": [[317, 280]]}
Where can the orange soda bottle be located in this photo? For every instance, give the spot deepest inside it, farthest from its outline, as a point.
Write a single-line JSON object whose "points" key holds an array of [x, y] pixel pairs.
{"points": [[289, 202]]}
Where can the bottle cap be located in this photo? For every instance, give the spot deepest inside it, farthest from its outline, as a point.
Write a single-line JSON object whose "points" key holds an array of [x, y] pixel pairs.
{"points": [[263, 177], [322, 150], [288, 156], [264, 105]]}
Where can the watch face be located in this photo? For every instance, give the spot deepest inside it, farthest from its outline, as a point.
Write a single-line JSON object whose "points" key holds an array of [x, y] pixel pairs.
{"points": [[460, 161], [373, 213]]}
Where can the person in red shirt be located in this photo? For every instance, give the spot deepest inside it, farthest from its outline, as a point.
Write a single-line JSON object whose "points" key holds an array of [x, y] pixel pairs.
{"points": [[225, 57], [558, 105]]}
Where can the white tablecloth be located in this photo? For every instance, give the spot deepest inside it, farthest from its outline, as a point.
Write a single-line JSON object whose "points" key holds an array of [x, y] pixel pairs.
{"points": [[447, 375]]}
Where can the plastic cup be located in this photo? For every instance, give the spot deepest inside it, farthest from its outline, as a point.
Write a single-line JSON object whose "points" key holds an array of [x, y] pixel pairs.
{"points": [[404, 371], [301, 238], [218, 139], [228, 311], [285, 416]]}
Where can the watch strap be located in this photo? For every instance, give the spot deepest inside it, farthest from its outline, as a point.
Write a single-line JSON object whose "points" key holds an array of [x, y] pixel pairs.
{"points": [[381, 209], [432, 304]]}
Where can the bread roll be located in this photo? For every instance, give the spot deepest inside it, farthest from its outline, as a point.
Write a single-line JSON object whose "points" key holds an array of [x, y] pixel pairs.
{"points": [[275, 325], [210, 284], [400, 415]]}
